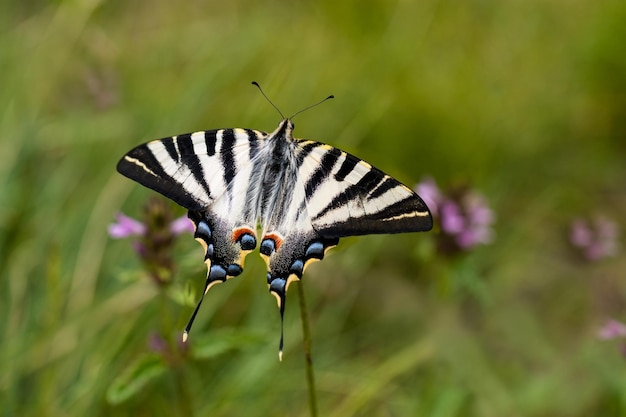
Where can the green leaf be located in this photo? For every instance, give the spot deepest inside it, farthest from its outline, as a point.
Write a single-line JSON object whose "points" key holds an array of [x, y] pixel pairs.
{"points": [[135, 378], [218, 342], [184, 295]]}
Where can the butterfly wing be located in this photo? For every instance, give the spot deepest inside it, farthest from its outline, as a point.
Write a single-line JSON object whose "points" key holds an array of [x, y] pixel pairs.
{"points": [[346, 196], [197, 171], [193, 169], [336, 195]]}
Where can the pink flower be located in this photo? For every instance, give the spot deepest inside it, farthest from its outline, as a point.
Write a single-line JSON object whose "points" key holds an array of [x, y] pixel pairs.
{"points": [[428, 190], [452, 220], [464, 216], [154, 238], [126, 226], [182, 225], [479, 218], [597, 239], [612, 329]]}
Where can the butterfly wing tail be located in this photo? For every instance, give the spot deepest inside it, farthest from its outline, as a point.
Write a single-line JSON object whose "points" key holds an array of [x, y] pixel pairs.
{"points": [[225, 248], [286, 260]]}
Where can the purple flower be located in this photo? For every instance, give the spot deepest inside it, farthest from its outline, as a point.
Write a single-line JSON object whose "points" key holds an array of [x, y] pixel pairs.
{"points": [[156, 343], [463, 215], [182, 225], [478, 220], [126, 226], [154, 238], [428, 190], [597, 239], [612, 329], [452, 220]]}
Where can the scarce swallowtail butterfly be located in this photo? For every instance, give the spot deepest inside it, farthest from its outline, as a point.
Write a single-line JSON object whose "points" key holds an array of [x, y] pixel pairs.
{"points": [[301, 195]]}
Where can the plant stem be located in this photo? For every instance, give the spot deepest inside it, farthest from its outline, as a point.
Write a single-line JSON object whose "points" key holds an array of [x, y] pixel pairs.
{"points": [[308, 356]]}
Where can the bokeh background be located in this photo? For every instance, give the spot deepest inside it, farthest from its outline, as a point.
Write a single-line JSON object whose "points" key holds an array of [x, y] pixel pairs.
{"points": [[521, 101]]}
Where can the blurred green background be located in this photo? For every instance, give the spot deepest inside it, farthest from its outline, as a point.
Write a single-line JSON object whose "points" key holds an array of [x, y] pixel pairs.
{"points": [[522, 100]]}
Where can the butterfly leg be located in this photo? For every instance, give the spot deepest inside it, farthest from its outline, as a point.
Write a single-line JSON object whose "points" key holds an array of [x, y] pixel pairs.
{"points": [[225, 249]]}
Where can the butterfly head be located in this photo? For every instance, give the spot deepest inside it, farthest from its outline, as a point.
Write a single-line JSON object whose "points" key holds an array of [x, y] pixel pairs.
{"points": [[284, 129]]}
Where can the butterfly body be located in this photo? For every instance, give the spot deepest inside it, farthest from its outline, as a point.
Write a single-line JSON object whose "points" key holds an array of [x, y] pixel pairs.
{"points": [[304, 195]]}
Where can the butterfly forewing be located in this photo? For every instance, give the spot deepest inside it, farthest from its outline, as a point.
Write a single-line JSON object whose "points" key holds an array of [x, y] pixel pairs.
{"points": [[346, 196], [305, 195]]}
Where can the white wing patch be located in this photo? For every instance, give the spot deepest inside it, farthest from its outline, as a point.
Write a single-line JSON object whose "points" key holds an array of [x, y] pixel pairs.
{"points": [[179, 173]]}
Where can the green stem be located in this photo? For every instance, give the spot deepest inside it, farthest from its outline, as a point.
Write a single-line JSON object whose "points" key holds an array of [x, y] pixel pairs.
{"points": [[308, 356]]}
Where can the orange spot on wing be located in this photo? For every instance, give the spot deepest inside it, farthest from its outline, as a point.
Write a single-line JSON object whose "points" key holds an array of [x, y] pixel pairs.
{"points": [[278, 240], [238, 232]]}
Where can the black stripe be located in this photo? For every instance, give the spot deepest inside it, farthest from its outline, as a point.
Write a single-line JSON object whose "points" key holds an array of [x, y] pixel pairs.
{"points": [[366, 183], [253, 151], [185, 145], [380, 222], [404, 206], [302, 211], [305, 151], [369, 180], [161, 183], [171, 148], [189, 158], [327, 164], [227, 155], [383, 187], [145, 156], [253, 140], [210, 139], [338, 201], [348, 165]]}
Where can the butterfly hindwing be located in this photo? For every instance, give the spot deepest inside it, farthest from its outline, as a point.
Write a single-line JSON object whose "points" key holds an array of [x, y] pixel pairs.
{"points": [[287, 259], [225, 247]]}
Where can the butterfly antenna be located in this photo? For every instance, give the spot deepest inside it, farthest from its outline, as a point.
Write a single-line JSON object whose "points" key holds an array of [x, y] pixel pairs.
{"points": [[267, 98], [311, 106]]}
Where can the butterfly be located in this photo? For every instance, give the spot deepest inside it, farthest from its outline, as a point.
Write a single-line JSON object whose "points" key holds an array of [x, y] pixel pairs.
{"points": [[301, 195]]}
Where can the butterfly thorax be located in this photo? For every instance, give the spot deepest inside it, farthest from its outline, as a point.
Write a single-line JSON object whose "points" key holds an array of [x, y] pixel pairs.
{"points": [[275, 173]]}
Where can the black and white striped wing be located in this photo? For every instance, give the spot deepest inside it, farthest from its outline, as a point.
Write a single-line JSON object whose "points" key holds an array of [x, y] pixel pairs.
{"points": [[336, 195], [198, 171], [193, 169], [346, 196]]}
